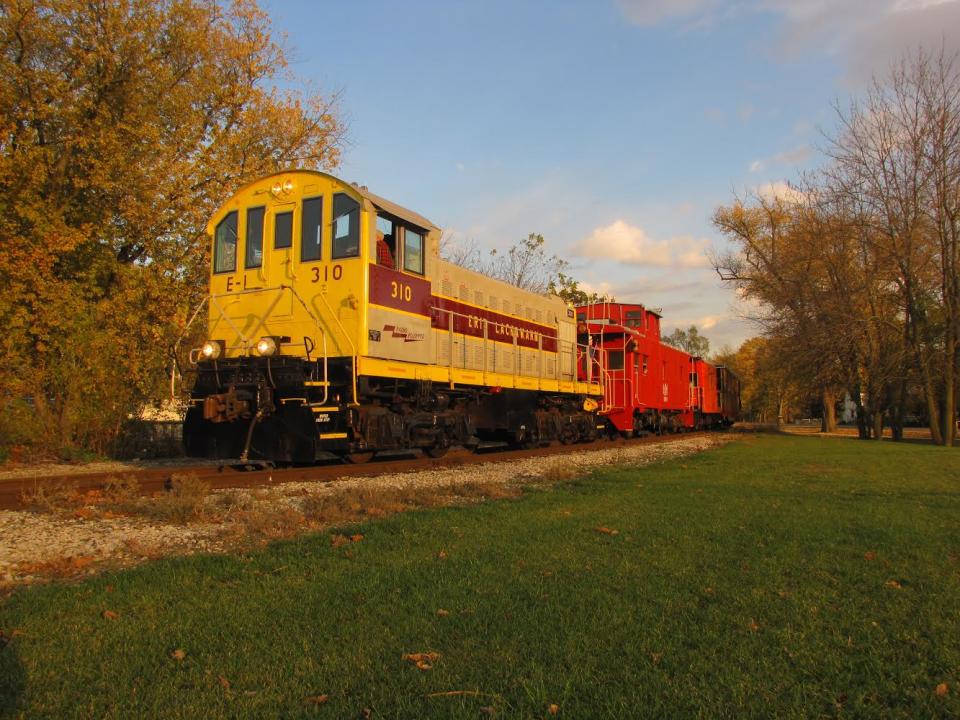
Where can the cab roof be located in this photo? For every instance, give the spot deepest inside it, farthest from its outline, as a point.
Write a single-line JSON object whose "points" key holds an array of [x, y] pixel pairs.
{"points": [[387, 206]]}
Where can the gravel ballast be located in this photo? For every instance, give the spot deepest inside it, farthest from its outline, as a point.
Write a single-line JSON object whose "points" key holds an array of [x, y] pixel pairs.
{"points": [[80, 541]]}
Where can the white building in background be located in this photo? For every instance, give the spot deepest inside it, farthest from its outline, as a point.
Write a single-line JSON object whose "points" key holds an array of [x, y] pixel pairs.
{"points": [[847, 410]]}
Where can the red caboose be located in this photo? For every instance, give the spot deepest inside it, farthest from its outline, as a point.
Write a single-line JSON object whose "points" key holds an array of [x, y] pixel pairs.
{"points": [[715, 394], [649, 386], [646, 384]]}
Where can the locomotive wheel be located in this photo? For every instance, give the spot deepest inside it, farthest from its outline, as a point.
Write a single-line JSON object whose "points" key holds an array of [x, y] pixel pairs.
{"points": [[358, 458], [437, 451]]}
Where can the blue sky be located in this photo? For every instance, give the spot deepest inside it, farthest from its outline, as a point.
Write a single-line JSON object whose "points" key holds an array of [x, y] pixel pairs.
{"points": [[614, 128]]}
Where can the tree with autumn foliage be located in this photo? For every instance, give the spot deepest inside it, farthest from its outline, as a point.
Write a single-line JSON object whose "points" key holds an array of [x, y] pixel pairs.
{"points": [[855, 273], [124, 124]]}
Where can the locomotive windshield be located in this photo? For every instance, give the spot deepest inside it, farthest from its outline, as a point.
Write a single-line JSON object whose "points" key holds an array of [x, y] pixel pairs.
{"points": [[225, 245], [254, 252], [310, 236]]}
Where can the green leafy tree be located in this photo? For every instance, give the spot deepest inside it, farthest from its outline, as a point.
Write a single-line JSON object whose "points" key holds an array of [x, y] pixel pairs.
{"points": [[569, 289], [527, 264], [123, 123], [689, 340]]}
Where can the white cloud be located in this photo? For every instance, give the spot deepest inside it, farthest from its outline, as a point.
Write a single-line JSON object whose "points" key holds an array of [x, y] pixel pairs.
{"points": [[709, 321], [600, 288], [779, 191], [695, 257], [796, 156], [631, 245], [868, 33], [652, 12], [626, 243]]}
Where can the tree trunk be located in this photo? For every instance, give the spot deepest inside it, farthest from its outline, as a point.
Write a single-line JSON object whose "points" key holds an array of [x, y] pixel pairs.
{"points": [[933, 407], [949, 410], [862, 430], [877, 424], [899, 409], [828, 423]]}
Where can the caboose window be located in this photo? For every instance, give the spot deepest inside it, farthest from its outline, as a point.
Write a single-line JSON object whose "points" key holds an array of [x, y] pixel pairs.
{"points": [[346, 226], [413, 251], [310, 229], [254, 252], [225, 245], [615, 360], [283, 230]]}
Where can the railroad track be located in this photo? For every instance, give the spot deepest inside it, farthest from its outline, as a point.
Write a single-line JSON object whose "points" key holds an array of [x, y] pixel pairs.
{"points": [[152, 480]]}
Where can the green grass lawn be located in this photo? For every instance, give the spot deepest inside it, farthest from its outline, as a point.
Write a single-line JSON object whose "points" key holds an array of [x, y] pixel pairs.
{"points": [[776, 576]]}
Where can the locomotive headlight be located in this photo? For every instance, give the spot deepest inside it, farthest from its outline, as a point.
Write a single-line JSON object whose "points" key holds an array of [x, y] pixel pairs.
{"points": [[287, 185], [210, 350], [267, 346]]}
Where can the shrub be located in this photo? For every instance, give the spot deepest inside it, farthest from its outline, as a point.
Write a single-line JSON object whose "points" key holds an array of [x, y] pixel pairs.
{"points": [[184, 499]]}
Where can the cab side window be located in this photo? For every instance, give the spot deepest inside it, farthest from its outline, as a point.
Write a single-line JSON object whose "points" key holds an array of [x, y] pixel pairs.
{"points": [[413, 251], [310, 230], [254, 252], [225, 245], [386, 245], [346, 226]]}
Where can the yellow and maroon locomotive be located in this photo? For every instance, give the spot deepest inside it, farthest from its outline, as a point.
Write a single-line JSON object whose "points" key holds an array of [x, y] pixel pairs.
{"points": [[335, 327]]}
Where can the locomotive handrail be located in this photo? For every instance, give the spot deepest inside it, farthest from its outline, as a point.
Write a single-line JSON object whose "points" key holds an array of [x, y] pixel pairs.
{"points": [[353, 372], [323, 336], [244, 340]]}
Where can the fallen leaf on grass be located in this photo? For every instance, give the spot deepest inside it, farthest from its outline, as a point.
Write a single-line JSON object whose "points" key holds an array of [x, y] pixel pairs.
{"points": [[338, 540], [441, 555], [423, 661], [607, 531], [109, 615], [488, 710], [178, 654], [655, 658], [553, 708], [893, 585], [366, 713], [356, 538], [224, 683], [316, 699], [754, 626], [442, 613], [870, 555], [942, 689]]}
